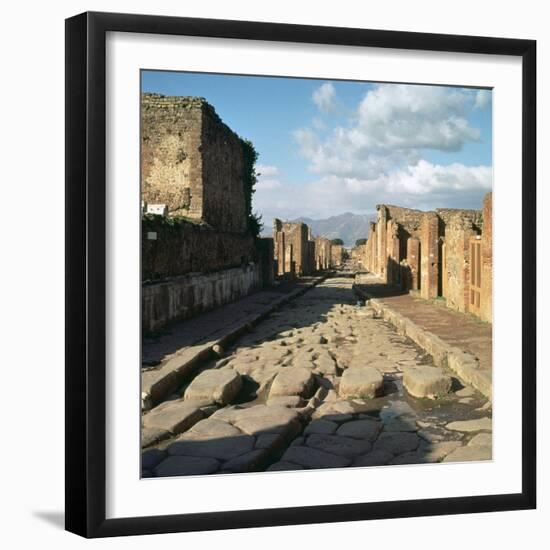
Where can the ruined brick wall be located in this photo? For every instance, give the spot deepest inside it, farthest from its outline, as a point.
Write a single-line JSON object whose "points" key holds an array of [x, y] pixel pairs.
{"points": [[265, 247], [322, 253], [413, 261], [381, 245], [192, 162], [407, 218], [429, 250], [336, 255], [456, 261], [291, 248], [171, 165], [224, 203], [172, 248], [393, 250], [486, 309], [474, 217]]}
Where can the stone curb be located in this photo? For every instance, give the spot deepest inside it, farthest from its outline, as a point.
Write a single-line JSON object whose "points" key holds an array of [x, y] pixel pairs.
{"points": [[158, 384], [464, 364]]}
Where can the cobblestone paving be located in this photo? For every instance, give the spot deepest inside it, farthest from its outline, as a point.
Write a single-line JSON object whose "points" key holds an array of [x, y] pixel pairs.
{"points": [[281, 399]]}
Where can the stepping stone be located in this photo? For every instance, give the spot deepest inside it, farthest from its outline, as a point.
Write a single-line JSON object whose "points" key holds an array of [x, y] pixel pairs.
{"points": [[366, 382], [361, 429], [173, 416], [397, 443], [477, 425], [215, 385], [424, 381], [186, 466], [338, 445], [470, 453], [293, 381], [221, 448], [374, 458], [314, 458], [321, 427], [263, 419]]}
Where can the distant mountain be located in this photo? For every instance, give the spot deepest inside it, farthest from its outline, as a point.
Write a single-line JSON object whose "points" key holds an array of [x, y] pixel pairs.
{"points": [[348, 227]]}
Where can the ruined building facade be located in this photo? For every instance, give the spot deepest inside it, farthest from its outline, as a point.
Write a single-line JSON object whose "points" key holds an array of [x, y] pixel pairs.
{"points": [[192, 162], [198, 254], [297, 252], [446, 253]]}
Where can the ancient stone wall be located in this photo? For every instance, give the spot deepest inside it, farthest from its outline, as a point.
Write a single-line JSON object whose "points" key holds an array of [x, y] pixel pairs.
{"points": [[291, 248], [456, 262], [429, 261], [188, 295], [322, 253], [486, 309], [336, 255], [430, 252], [192, 162], [174, 247]]}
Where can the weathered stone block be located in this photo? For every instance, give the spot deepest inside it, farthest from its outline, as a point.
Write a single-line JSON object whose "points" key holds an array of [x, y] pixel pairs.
{"points": [[293, 381], [173, 416], [424, 381], [361, 382], [215, 385]]}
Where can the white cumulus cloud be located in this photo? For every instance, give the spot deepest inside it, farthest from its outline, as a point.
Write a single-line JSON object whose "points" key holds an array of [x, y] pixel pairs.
{"points": [[324, 97]]}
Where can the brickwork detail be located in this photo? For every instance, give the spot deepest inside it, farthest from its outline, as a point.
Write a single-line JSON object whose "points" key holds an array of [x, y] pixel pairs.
{"points": [[429, 252]]}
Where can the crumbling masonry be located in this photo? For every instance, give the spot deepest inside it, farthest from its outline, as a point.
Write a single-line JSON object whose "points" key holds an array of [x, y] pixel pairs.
{"points": [[446, 253]]}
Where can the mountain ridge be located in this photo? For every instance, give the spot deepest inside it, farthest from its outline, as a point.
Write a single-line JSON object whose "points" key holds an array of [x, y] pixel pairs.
{"points": [[346, 226]]}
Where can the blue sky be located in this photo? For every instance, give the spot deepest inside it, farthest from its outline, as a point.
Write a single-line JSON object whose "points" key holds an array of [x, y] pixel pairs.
{"points": [[328, 147]]}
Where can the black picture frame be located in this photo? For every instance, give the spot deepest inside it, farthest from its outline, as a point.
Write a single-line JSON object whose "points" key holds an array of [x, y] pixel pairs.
{"points": [[86, 268]]}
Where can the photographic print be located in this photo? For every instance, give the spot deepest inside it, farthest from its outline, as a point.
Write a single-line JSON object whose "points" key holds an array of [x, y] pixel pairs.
{"points": [[316, 267]]}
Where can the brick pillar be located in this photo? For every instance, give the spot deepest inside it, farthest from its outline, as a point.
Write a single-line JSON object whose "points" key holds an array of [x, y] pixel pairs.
{"points": [[392, 252], [486, 302], [413, 261], [374, 260], [381, 253], [429, 238]]}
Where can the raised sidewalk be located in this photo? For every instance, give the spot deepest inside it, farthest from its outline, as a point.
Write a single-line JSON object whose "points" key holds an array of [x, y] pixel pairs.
{"points": [[169, 359], [455, 340]]}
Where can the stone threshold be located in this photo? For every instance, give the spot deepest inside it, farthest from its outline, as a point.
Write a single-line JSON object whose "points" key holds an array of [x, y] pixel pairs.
{"points": [[158, 384], [465, 365]]}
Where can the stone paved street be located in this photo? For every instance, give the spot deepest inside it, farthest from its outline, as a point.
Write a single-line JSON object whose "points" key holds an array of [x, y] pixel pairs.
{"points": [[319, 383]]}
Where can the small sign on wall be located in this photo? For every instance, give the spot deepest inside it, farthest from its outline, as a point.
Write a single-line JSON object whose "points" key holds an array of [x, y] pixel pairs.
{"points": [[151, 235]]}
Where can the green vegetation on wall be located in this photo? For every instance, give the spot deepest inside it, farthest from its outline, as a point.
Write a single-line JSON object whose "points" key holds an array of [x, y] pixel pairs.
{"points": [[250, 177]]}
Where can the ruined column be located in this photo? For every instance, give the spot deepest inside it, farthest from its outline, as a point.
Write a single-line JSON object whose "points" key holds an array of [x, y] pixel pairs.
{"points": [[486, 306], [413, 261], [382, 258], [429, 239], [392, 253]]}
